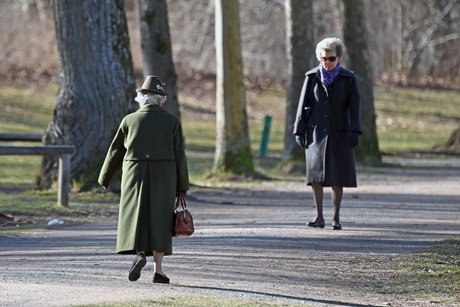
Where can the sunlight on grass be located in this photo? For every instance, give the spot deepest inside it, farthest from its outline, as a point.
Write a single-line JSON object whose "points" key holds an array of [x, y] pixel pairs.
{"points": [[433, 274], [26, 110], [200, 134], [19, 170], [414, 119], [195, 300], [407, 119]]}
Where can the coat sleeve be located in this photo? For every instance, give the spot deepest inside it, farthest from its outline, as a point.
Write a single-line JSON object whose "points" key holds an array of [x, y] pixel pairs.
{"points": [[181, 160], [300, 123], [114, 158], [355, 106]]}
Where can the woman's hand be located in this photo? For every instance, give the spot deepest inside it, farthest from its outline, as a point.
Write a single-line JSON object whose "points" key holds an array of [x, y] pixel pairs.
{"points": [[353, 138], [300, 140]]}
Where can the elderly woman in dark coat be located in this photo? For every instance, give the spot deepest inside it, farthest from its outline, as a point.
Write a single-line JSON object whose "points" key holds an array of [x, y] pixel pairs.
{"points": [[149, 147], [328, 126]]}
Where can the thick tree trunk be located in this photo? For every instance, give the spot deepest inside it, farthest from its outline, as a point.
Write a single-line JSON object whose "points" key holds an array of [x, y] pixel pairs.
{"points": [[156, 48], [96, 84], [356, 40], [300, 51], [233, 151]]}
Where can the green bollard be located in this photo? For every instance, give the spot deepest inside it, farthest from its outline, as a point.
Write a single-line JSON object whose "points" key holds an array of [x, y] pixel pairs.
{"points": [[265, 136]]}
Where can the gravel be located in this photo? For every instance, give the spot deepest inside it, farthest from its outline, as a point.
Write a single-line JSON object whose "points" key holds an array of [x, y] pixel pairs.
{"points": [[251, 242]]}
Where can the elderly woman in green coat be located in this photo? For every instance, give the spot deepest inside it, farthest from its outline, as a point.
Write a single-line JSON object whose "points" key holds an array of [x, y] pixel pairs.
{"points": [[149, 147]]}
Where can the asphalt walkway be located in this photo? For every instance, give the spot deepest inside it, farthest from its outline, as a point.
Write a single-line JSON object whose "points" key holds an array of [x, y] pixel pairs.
{"points": [[252, 242]]}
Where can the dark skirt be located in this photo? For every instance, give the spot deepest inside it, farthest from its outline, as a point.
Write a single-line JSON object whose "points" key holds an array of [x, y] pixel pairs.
{"points": [[330, 161]]}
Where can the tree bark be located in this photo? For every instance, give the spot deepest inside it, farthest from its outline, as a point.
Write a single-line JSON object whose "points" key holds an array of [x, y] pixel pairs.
{"points": [[157, 49], [300, 51], [356, 40], [96, 84], [233, 151]]}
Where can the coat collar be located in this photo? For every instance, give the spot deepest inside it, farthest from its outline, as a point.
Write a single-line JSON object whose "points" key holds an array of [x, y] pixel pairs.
{"points": [[150, 108], [343, 72]]}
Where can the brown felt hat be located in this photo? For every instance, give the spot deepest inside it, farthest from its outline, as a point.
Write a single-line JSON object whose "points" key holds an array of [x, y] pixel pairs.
{"points": [[152, 85]]}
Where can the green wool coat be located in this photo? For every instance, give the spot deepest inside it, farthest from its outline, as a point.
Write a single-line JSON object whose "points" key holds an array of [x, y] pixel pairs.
{"points": [[149, 147]]}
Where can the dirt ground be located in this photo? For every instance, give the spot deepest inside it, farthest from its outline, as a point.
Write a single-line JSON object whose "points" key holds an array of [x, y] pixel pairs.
{"points": [[252, 242]]}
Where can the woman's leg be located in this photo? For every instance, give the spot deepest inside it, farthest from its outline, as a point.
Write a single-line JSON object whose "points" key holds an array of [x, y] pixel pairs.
{"points": [[318, 196], [337, 194], [158, 260], [159, 276]]}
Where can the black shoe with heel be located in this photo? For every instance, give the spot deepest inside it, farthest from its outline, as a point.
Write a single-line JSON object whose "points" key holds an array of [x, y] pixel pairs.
{"points": [[135, 271], [160, 279], [317, 223], [336, 225]]}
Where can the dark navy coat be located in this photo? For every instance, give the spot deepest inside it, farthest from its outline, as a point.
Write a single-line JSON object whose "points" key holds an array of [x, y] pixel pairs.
{"points": [[325, 116]]}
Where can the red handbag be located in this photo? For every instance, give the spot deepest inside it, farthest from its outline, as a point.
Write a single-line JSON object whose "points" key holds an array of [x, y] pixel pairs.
{"points": [[183, 220]]}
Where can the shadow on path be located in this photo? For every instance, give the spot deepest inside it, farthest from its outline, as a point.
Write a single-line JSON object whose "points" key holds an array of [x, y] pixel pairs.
{"points": [[280, 296]]}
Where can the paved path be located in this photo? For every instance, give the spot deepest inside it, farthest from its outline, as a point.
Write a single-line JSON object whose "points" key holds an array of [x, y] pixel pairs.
{"points": [[252, 243]]}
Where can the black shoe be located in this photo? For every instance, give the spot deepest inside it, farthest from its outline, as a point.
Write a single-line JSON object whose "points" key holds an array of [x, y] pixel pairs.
{"points": [[160, 279], [316, 223], [336, 225], [135, 271]]}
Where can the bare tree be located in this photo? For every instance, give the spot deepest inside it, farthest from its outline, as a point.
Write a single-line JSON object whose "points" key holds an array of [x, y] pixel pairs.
{"points": [[156, 48], [357, 42], [233, 151], [300, 53], [427, 37], [415, 40], [423, 31], [96, 83]]}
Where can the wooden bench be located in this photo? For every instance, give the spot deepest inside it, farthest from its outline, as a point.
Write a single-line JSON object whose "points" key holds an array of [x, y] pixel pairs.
{"points": [[20, 137], [64, 153]]}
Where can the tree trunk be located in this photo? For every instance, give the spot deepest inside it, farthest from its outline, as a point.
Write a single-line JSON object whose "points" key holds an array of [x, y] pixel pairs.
{"points": [[356, 40], [453, 144], [96, 84], [156, 48], [301, 57], [233, 151]]}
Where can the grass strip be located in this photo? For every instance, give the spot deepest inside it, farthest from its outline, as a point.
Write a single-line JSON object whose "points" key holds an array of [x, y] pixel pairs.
{"points": [[432, 275]]}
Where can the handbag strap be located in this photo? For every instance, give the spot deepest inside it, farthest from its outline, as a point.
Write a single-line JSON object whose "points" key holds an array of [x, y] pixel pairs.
{"points": [[180, 201]]}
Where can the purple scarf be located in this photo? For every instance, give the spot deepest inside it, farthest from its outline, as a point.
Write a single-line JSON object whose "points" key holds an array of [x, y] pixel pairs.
{"points": [[328, 76]]}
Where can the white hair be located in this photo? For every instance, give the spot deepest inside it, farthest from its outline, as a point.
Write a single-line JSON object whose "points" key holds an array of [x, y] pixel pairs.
{"points": [[330, 44], [150, 99]]}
